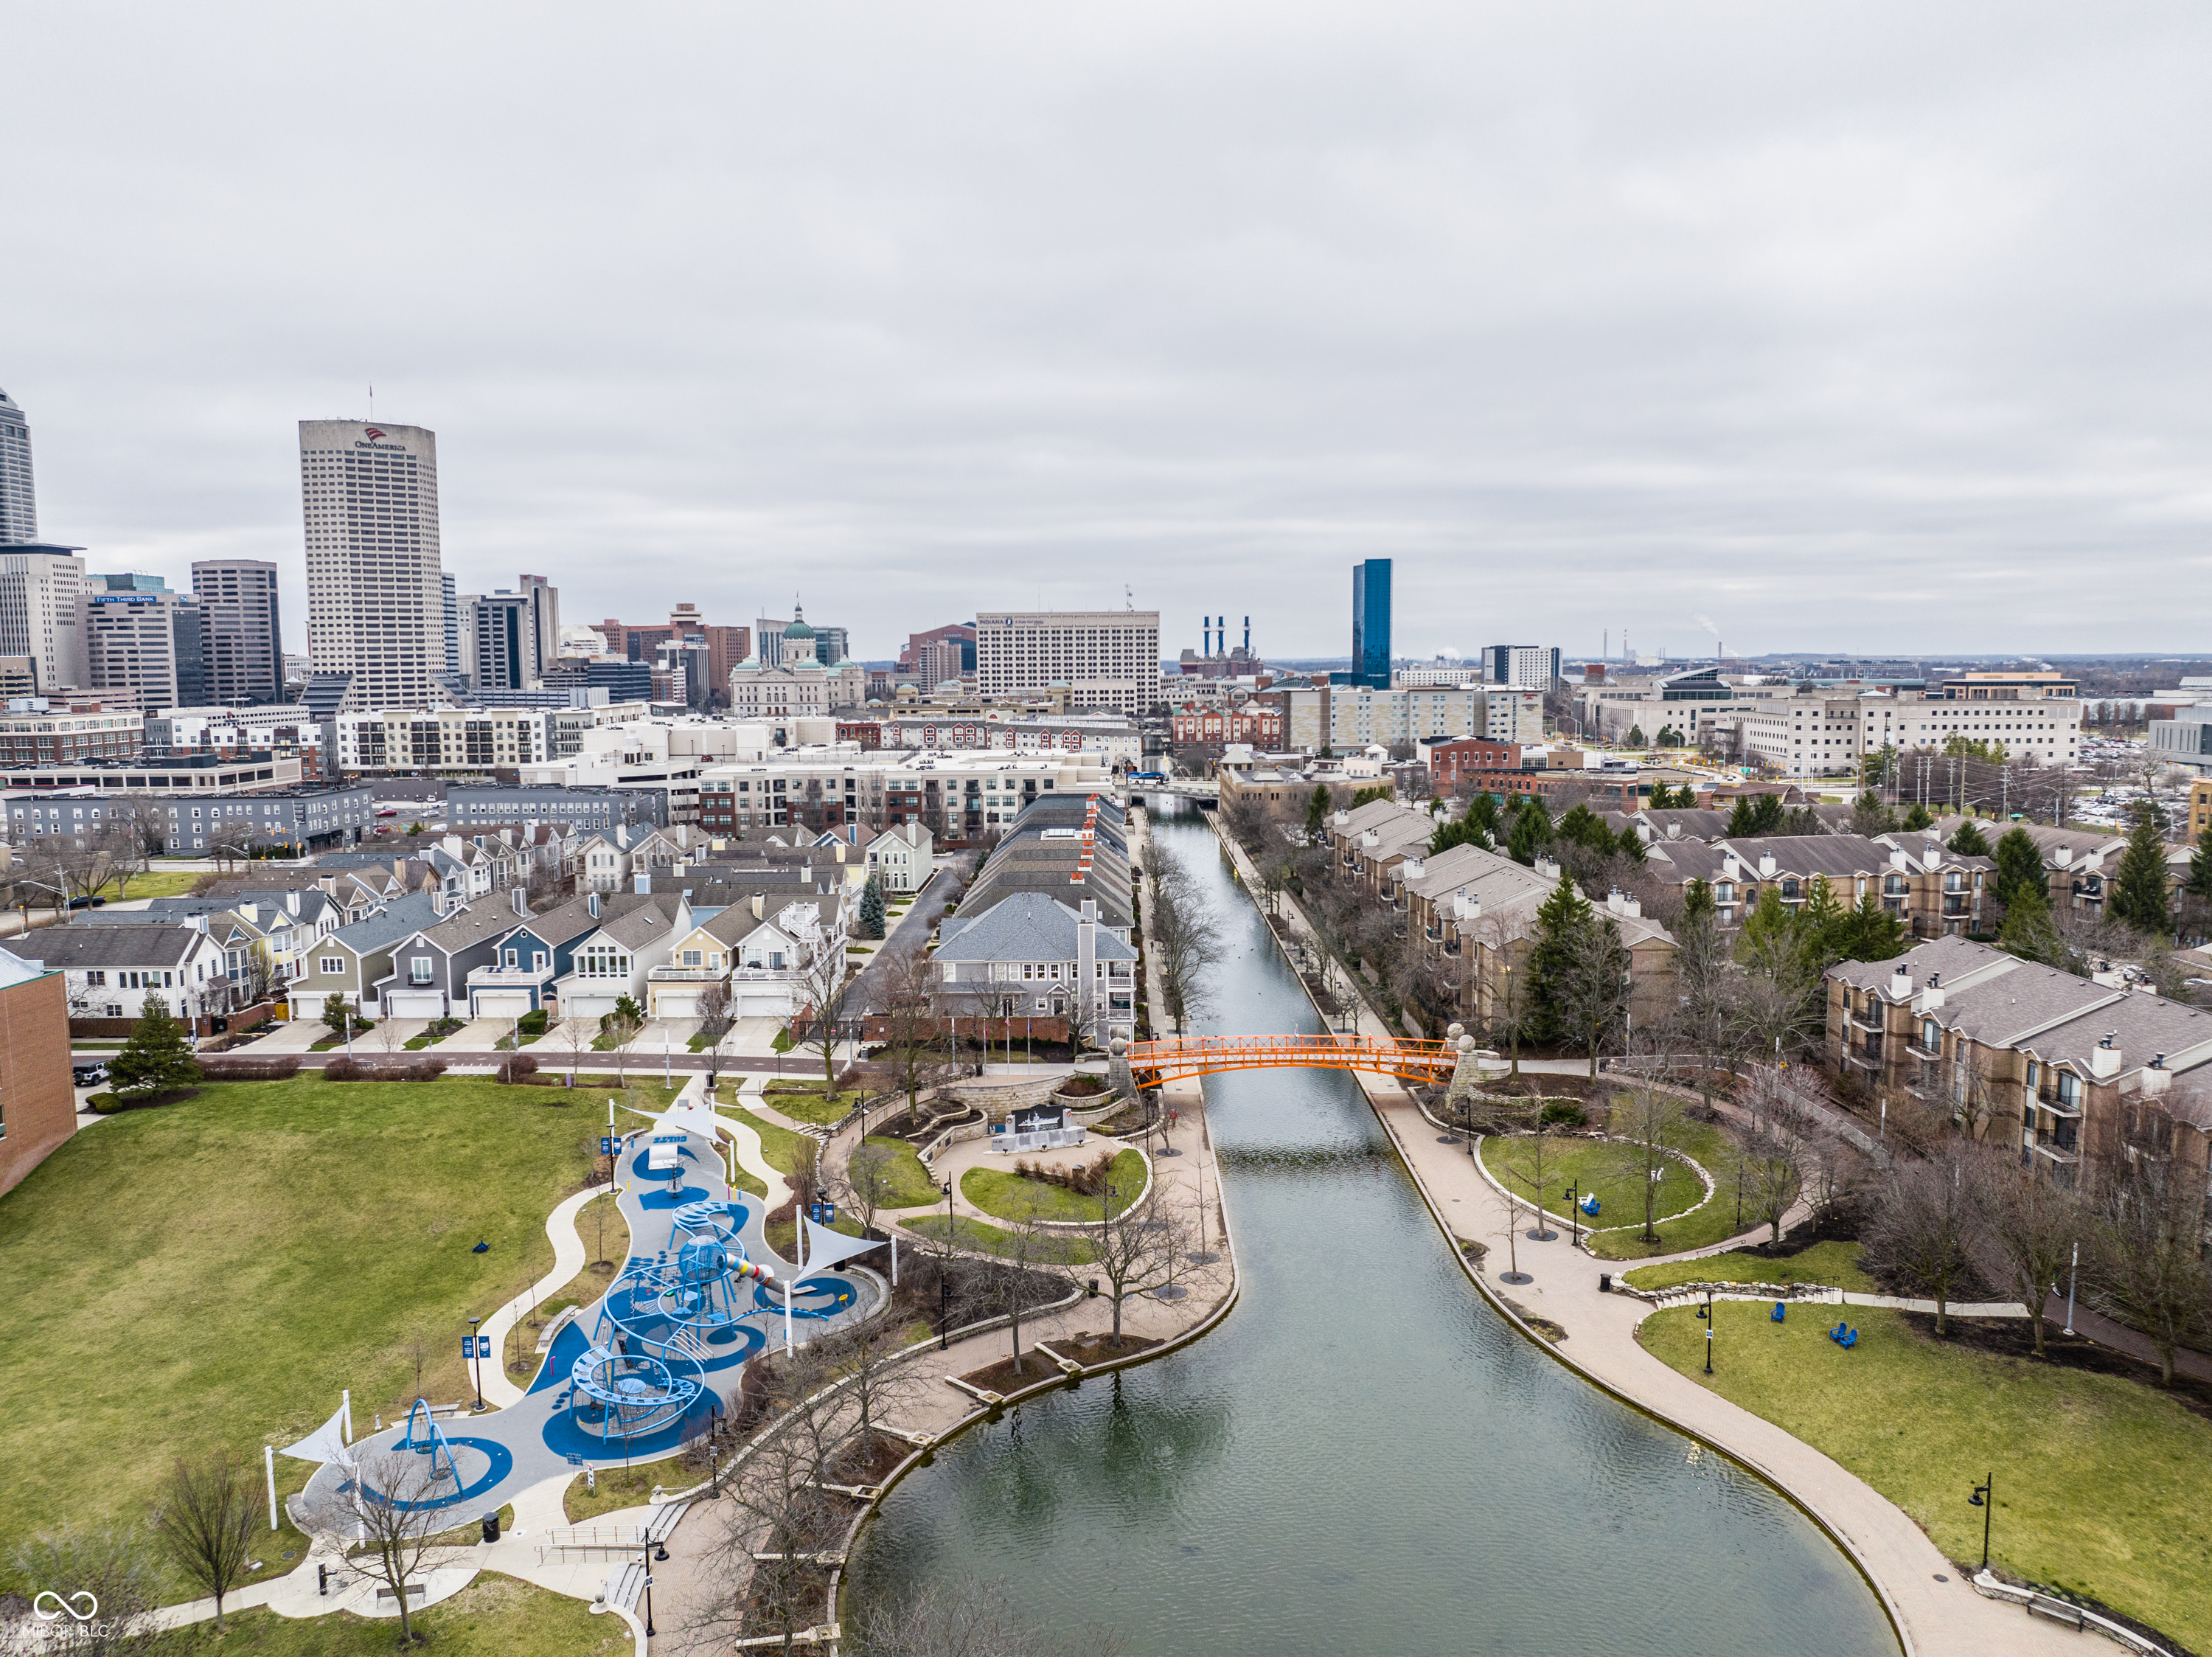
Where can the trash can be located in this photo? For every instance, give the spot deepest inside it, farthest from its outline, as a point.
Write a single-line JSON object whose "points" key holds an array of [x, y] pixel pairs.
{"points": [[491, 1527], [1093, 1292], [1605, 1282]]}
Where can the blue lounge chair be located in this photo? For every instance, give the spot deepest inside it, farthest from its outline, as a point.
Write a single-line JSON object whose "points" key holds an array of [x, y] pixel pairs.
{"points": [[1589, 1205], [1776, 1313], [1844, 1336]]}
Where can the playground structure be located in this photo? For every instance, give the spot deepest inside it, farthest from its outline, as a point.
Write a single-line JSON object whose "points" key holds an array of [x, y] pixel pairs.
{"points": [[425, 1437], [670, 1318], [1152, 1062]]}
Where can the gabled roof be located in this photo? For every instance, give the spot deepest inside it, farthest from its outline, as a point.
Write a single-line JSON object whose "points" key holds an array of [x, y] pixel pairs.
{"points": [[409, 913], [642, 921], [1025, 926], [72, 948]]}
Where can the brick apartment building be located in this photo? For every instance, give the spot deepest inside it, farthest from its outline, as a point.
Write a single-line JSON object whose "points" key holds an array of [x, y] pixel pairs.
{"points": [[38, 1106]]}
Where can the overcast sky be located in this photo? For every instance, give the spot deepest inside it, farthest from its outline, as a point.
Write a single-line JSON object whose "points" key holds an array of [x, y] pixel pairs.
{"points": [[1871, 328]]}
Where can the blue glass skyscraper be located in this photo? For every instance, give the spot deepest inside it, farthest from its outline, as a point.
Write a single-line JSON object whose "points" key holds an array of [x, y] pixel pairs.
{"points": [[1370, 623]]}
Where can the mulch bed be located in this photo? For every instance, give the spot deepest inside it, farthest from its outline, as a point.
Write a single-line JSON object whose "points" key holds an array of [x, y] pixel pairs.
{"points": [[1088, 1350], [1000, 1377]]}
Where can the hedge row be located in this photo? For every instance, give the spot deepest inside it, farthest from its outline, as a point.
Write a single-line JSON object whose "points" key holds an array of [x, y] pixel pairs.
{"points": [[352, 1069], [219, 1067]]}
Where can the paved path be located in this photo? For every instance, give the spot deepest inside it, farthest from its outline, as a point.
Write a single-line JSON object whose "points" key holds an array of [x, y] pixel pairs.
{"points": [[910, 930]]}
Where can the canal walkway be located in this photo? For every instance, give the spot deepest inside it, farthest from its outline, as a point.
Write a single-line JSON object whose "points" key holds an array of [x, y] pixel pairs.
{"points": [[1933, 1609]]}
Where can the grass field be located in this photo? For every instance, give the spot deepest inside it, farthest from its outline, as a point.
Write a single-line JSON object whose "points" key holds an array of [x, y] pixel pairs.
{"points": [[989, 1239], [212, 1273], [2100, 1479], [1834, 1263], [778, 1144], [808, 1101], [493, 1616], [159, 883], [1009, 1195], [912, 1185], [1596, 1166]]}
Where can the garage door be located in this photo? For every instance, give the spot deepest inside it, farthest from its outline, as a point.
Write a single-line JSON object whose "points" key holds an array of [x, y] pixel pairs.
{"points": [[415, 1003], [501, 1003]]}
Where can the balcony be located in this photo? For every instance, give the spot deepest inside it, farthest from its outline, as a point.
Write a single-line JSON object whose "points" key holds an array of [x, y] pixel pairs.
{"points": [[506, 978], [1926, 1055], [685, 975], [1870, 1022]]}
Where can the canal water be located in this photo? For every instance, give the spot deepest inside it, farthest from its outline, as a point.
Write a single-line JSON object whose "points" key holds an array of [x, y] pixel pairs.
{"points": [[1362, 1457]]}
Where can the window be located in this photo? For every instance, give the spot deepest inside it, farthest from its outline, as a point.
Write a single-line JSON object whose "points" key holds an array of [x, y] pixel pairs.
{"points": [[691, 958], [418, 970]]}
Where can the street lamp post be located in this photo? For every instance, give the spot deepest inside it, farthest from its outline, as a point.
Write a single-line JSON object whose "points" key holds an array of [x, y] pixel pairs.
{"points": [[944, 1279], [476, 1357], [1706, 1313], [1574, 1224], [2072, 1275], [646, 1549], [1984, 1497]]}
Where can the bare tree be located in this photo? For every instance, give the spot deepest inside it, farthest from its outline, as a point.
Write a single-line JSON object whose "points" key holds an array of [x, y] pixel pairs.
{"points": [[717, 1013], [2031, 1224], [576, 1036], [1186, 937], [866, 1356], [766, 1568], [113, 1568], [1026, 1251], [911, 1035], [1529, 1155], [2151, 1272], [1924, 1227], [394, 1498], [823, 984], [968, 1619], [1645, 1130], [621, 1028], [1769, 1146], [1137, 1249], [205, 1523]]}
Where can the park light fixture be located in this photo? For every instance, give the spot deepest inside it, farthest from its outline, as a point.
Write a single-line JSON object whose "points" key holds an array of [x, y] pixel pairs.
{"points": [[944, 1279], [475, 1355], [1984, 1497]]}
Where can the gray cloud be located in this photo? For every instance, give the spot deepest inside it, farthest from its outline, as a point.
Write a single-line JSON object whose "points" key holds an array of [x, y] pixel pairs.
{"points": [[1883, 328]]}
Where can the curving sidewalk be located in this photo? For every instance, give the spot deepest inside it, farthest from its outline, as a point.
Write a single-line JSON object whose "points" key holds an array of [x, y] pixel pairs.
{"points": [[568, 1257]]}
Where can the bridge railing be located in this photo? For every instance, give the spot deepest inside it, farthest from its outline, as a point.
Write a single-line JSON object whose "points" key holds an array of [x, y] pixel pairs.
{"points": [[1186, 1056]]}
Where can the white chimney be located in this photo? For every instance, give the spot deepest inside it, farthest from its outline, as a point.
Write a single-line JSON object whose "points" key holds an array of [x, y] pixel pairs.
{"points": [[1767, 865], [1342, 819], [2156, 1078], [756, 905], [292, 903], [521, 900], [2065, 856], [1466, 907], [1369, 838], [1547, 868], [1931, 996], [1897, 858], [2105, 1058], [1931, 853], [1412, 868], [1900, 986], [592, 904]]}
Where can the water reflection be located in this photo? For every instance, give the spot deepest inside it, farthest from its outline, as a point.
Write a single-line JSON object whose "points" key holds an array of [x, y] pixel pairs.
{"points": [[1362, 1458]]}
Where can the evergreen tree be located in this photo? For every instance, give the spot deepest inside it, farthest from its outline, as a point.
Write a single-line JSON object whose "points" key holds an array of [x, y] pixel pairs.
{"points": [[1482, 813], [1871, 933], [2019, 869], [1567, 915], [1917, 817], [1770, 927], [2138, 891], [1368, 797], [1970, 842], [1821, 916], [1531, 832], [158, 1056], [1636, 736], [1697, 901], [1317, 811], [337, 1014], [2199, 883], [1585, 828], [872, 908], [1756, 814], [2028, 930]]}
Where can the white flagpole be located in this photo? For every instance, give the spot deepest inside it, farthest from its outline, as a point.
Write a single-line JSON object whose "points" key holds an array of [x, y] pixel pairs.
{"points": [[268, 1457], [348, 1396]]}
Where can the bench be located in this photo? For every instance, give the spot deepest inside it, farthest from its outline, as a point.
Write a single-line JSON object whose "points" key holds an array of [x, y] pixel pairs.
{"points": [[415, 1590], [2057, 1610]]}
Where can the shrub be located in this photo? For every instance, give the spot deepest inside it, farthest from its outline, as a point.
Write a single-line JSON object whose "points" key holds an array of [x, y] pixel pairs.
{"points": [[277, 1068], [1083, 1087], [515, 1067], [532, 1023], [103, 1103], [1565, 1113], [849, 1078], [352, 1069], [1086, 1179]]}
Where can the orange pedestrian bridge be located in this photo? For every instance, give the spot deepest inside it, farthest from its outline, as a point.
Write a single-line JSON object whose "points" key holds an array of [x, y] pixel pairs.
{"points": [[1152, 1062]]}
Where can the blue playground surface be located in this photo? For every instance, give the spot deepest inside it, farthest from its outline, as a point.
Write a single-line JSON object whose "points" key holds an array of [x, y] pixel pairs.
{"points": [[646, 1367]]}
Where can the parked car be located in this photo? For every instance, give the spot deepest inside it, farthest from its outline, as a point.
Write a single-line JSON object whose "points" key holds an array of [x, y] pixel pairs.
{"points": [[88, 1072]]}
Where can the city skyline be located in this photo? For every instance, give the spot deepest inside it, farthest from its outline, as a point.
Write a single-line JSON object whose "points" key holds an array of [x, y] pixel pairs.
{"points": [[1669, 323]]}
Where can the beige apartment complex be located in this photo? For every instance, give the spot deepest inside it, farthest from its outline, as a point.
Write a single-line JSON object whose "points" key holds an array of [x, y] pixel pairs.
{"points": [[1107, 658]]}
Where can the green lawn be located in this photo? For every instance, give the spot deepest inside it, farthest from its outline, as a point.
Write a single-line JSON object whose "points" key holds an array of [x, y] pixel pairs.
{"points": [[808, 1101], [160, 883], [493, 1616], [1008, 1195], [213, 1272], [1836, 1264], [1616, 1231], [990, 1240], [2100, 1479], [912, 1185], [778, 1144]]}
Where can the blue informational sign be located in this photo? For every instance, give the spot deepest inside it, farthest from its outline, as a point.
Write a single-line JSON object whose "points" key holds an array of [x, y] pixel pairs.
{"points": [[475, 1346], [606, 1145]]}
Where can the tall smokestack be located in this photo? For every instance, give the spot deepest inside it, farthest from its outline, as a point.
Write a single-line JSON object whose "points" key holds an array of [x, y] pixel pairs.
{"points": [[1247, 635]]}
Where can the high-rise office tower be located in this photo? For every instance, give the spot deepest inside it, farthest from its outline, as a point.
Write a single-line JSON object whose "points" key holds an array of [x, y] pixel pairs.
{"points": [[544, 622], [376, 598], [139, 637], [19, 502], [1108, 659], [1370, 623], [504, 643], [456, 658], [245, 643], [1525, 667], [42, 592], [831, 645]]}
